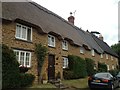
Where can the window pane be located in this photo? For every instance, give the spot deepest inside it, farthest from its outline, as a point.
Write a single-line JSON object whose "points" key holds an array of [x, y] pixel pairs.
{"points": [[29, 34], [22, 54], [24, 32], [18, 30], [27, 59]]}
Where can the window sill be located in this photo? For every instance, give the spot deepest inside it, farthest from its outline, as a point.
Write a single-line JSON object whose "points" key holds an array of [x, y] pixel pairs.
{"points": [[65, 49], [51, 46], [23, 40]]}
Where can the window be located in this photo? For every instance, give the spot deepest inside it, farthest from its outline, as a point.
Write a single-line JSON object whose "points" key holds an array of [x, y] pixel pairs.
{"points": [[65, 62], [23, 32], [108, 68], [51, 41], [113, 67], [23, 57], [64, 45], [101, 55], [111, 57], [81, 50], [93, 52], [106, 56]]}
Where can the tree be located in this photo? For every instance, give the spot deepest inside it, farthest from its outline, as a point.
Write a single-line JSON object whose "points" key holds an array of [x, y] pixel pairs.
{"points": [[116, 48]]}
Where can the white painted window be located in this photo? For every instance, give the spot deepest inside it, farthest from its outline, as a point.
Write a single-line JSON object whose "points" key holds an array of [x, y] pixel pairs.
{"points": [[106, 56], [101, 55], [113, 67], [108, 68], [51, 41], [93, 52], [64, 45], [81, 50], [23, 32], [23, 57], [111, 57], [65, 62]]}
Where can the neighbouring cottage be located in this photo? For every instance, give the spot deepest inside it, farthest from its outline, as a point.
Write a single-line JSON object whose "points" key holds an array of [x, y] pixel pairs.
{"points": [[25, 24]]}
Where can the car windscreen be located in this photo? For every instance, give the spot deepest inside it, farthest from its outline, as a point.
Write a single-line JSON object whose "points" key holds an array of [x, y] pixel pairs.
{"points": [[103, 75]]}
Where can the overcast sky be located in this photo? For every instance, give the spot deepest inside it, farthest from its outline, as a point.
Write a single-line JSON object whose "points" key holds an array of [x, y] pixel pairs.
{"points": [[92, 15]]}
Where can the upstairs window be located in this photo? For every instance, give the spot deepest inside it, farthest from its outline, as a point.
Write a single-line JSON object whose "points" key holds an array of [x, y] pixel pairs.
{"points": [[23, 32], [51, 41], [93, 52], [23, 57], [106, 56], [65, 62], [111, 57], [64, 45], [81, 50], [101, 55]]}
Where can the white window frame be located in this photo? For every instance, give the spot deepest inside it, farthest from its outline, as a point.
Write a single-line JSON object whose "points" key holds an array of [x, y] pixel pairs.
{"points": [[113, 67], [81, 50], [24, 57], [21, 30], [93, 52], [64, 45], [65, 62], [50, 42], [106, 56], [111, 57], [108, 67], [101, 55]]}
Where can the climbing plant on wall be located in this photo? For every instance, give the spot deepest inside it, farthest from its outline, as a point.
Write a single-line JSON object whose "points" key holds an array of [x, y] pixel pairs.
{"points": [[41, 52]]}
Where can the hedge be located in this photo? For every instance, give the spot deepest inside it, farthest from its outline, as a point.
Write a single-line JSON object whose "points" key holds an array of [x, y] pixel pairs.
{"points": [[11, 76], [78, 66], [90, 66], [102, 67]]}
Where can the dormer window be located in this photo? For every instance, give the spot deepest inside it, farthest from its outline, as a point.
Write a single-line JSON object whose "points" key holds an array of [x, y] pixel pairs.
{"points": [[64, 45], [93, 52], [111, 57], [23, 32], [81, 50], [106, 56], [101, 55], [51, 41]]}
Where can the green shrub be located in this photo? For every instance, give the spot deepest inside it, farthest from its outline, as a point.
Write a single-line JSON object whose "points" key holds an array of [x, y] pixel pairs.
{"points": [[10, 69], [26, 79], [114, 72], [11, 76], [78, 66], [90, 66], [102, 67], [67, 74]]}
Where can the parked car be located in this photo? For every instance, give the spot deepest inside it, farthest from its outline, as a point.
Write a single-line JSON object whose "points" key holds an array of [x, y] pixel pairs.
{"points": [[118, 76], [103, 80]]}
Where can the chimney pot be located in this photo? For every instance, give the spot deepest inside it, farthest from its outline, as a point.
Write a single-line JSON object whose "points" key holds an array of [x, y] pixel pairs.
{"points": [[71, 18], [101, 37]]}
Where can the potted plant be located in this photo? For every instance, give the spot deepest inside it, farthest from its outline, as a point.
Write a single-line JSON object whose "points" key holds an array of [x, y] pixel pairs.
{"points": [[44, 78], [23, 69]]}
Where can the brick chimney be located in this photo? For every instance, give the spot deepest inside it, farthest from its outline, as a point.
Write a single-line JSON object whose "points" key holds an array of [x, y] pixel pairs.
{"points": [[101, 37], [71, 18]]}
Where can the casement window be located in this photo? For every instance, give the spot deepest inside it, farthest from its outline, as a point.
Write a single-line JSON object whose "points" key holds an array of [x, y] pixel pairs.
{"points": [[23, 32], [81, 50], [108, 68], [101, 55], [65, 62], [64, 45], [23, 57], [93, 52], [51, 41], [106, 56], [113, 67], [111, 57]]}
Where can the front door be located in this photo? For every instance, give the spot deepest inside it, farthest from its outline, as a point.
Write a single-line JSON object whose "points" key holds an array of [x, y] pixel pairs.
{"points": [[51, 67]]}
